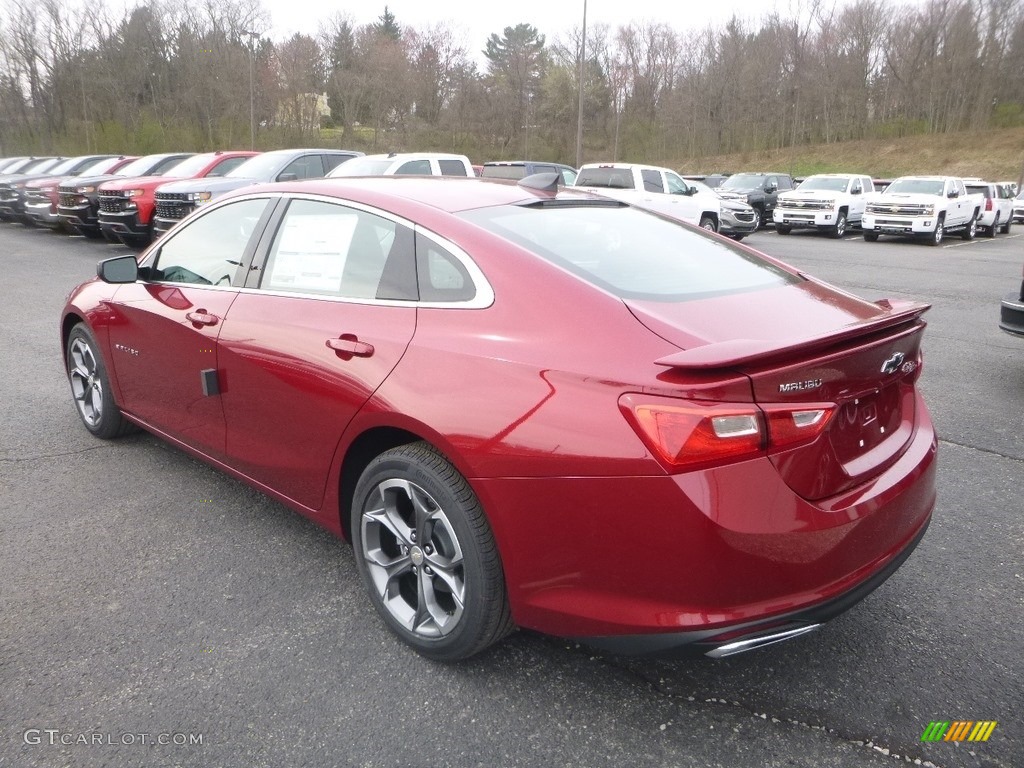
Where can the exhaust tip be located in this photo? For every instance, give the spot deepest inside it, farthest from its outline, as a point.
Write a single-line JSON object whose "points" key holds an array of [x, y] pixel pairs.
{"points": [[749, 644]]}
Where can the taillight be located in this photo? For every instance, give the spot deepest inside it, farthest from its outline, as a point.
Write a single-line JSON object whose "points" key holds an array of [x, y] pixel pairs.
{"points": [[988, 203], [688, 434]]}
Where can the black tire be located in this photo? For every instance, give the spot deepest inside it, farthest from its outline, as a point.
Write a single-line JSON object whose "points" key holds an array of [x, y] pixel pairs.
{"points": [[708, 223], [758, 218], [935, 238], [991, 231], [737, 238], [971, 230], [782, 229], [870, 237], [90, 386], [1006, 227], [417, 527], [840, 227], [110, 237]]}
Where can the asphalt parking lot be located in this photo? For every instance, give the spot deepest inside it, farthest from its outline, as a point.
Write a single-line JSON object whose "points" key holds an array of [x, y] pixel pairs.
{"points": [[154, 612]]}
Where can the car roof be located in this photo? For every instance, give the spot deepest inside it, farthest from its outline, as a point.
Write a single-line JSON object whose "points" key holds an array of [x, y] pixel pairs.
{"points": [[416, 155], [405, 195]]}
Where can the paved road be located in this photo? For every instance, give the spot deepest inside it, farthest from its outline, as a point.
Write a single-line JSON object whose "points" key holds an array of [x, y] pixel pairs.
{"points": [[145, 596]]}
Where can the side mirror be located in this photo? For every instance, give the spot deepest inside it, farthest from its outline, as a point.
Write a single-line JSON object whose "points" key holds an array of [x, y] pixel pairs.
{"points": [[288, 177], [771, 186], [953, 193], [856, 191], [120, 269]]}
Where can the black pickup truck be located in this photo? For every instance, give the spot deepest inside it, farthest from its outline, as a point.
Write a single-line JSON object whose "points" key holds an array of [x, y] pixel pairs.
{"points": [[758, 190]]}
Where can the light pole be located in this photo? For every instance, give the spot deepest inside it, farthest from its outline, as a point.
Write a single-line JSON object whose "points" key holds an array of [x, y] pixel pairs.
{"points": [[252, 94], [579, 115]]}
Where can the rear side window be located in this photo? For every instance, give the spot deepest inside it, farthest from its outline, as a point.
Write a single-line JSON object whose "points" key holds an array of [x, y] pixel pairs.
{"points": [[329, 249], [632, 253], [414, 168], [442, 277], [652, 181], [452, 168]]}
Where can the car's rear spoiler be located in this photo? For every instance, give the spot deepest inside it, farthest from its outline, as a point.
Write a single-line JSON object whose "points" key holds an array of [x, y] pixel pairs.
{"points": [[735, 352]]}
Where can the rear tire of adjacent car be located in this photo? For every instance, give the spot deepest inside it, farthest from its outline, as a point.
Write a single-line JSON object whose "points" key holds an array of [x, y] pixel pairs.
{"points": [[840, 227], [939, 232], [970, 230], [782, 229], [708, 223], [996, 226], [427, 556], [871, 237], [1006, 227], [90, 386]]}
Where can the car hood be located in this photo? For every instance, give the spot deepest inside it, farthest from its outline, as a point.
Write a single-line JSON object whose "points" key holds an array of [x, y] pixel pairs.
{"points": [[215, 186], [900, 197], [136, 182], [811, 194], [88, 181]]}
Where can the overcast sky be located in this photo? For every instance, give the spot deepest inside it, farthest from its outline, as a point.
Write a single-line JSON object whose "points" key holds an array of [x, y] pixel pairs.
{"points": [[477, 19]]}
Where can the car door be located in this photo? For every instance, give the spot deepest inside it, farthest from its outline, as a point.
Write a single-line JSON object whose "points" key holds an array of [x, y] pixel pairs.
{"points": [[303, 167], [958, 205], [324, 321], [164, 327], [855, 208]]}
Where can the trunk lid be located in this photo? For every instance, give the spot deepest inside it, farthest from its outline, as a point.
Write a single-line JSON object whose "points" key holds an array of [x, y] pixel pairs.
{"points": [[803, 347]]}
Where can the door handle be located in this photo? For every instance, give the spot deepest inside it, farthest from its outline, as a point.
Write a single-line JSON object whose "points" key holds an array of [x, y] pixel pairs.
{"points": [[348, 346], [201, 317]]}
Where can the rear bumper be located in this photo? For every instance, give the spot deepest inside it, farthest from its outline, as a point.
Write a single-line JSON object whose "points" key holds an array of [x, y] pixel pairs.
{"points": [[654, 564], [1011, 313]]}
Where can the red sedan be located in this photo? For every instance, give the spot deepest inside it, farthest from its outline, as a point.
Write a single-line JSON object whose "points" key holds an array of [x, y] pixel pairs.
{"points": [[527, 407]]}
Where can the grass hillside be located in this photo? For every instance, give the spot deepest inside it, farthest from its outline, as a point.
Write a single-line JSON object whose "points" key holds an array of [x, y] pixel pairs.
{"points": [[995, 155]]}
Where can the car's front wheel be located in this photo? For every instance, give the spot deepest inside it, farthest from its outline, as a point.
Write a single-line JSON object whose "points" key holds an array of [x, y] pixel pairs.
{"points": [[427, 556], [708, 223], [90, 386], [870, 237], [939, 232], [782, 229]]}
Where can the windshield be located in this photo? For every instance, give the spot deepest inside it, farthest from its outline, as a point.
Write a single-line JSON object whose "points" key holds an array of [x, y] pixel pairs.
{"points": [[193, 165], [141, 167], [825, 184], [743, 181], [631, 253], [101, 167], [503, 172], [259, 167], [916, 187], [613, 178], [362, 166], [64, 167]]}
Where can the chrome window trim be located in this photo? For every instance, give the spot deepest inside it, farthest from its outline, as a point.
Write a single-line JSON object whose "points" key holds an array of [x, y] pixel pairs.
{"points": [[483, 299]]}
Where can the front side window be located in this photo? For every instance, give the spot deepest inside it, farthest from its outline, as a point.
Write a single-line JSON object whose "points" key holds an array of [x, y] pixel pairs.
{"points": [[676, 186], [333, 250], [210, 249], [305, 167]]}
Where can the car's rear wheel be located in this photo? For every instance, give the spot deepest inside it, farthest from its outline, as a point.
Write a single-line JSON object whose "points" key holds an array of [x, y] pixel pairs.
{"points": [[427, 556], [1006, 226], [90, 386], [996, 226]]}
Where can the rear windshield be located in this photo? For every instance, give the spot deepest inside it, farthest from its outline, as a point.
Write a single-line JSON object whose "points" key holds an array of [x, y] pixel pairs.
{"points": [[613, 178], [362, 166], [504, 172], [979, 189], [632, 253]]}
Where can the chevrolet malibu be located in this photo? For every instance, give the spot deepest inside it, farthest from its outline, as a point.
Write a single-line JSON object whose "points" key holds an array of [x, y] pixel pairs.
{"points": [[527, 407]]}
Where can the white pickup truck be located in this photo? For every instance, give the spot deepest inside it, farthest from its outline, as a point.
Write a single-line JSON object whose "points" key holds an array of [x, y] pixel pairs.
{"points": [[827, 202], [662, 190], [926, 207]]}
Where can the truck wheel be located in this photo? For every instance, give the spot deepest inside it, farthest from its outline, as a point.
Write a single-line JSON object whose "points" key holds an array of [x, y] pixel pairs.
{"points": [[758, 219], [994, 228], [708, 223], [840, 228], [971, 229], [1006, 226], [940, 231], [871, 237], [782, 229]]}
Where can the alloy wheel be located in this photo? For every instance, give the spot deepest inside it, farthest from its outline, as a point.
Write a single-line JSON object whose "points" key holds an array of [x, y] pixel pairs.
{"points": [[86, 385]]}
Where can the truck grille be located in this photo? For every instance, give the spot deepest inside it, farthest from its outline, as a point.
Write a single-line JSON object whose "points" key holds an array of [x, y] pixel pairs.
{"points": [[36, 197], [113, 202], [173, 205], [747, 216], [804, 205], [900, 209], [8, 194]]}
